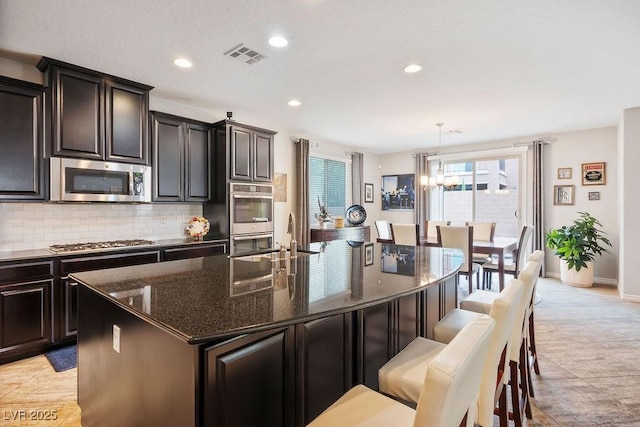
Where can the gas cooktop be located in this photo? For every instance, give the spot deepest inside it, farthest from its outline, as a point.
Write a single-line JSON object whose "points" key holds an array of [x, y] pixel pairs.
{"points": [[89, 246]]}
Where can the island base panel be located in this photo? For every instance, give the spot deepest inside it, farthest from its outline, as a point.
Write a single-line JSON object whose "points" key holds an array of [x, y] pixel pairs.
{"points": [[152, 381]]}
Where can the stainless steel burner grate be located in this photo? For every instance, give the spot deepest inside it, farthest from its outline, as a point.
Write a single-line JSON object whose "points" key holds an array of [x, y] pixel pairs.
{"points": [[88, 246]]}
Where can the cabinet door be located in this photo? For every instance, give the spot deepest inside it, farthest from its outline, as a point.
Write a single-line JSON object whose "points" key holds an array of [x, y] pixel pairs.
{"points": [[69, 308], [263, 157], [126, 123], [168, 149], [77, 106], [241, 154], [21, 168], [325, 364], [198, 163], [374, 342], [407, 320], [250, 381], [25, 315]]}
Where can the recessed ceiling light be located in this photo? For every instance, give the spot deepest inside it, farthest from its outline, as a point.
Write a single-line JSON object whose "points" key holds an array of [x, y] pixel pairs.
{"points": [[294, 103], [413, 68], [278, 41], [183, 63]]}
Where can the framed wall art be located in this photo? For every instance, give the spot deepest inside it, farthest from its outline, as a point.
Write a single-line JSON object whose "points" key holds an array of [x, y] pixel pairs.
{"points": [[594, 195], [563, 194], [368, 193], [594, 174], [398, 192], [564, 173], [368, 254]]}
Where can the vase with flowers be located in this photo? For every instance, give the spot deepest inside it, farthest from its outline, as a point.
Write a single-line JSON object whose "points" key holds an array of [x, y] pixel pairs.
{"points": [[323, 217]]}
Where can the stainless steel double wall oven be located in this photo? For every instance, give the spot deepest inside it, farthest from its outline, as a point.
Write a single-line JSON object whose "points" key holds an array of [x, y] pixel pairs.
{"points": [[250, 217]]}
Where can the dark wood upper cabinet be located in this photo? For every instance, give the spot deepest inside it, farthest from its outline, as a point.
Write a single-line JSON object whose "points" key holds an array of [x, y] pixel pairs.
{"points": [[263, 157], [181, 159], [127, 113], [246, 152], [197, 162], [21, 136], [92, 115]]}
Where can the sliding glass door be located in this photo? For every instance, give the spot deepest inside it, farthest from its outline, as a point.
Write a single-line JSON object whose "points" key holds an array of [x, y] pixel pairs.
{"points": [[487, 191]]}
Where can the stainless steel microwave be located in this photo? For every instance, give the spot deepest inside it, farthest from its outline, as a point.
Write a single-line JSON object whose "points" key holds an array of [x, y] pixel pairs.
{"points": [[77, 180]]}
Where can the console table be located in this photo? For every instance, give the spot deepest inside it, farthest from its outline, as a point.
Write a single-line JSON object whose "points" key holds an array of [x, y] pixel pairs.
{"points": [[356, 233]]}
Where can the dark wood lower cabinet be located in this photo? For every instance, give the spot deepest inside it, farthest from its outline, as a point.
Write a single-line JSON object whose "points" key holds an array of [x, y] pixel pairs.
{"points": [[374, 342], [250, 381], [70, 308], [25, 316], [324, 360]]}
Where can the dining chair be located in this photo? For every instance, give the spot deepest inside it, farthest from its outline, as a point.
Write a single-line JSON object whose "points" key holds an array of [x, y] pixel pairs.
{"points": [[494, 380], [430, 229], [519, 372], [449, 387], [482, 231], [383, 229], [518, 258], [405, 234], [460, 237]]}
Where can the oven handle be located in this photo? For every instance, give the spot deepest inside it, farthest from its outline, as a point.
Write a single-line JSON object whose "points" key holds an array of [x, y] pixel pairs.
{"points": [[252, 237], [242, 196]]}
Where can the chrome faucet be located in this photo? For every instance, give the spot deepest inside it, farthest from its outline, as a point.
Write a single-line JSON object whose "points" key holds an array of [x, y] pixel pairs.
{"points": [[291, 229]]}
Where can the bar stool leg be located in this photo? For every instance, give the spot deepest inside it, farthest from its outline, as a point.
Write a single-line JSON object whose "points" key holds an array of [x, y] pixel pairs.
{"points": [[516, 413], [532, 345]]}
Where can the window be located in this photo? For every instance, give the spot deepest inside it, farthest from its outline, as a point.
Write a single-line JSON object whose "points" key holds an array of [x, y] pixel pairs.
{"points": [[328, 181], [488, 190]]}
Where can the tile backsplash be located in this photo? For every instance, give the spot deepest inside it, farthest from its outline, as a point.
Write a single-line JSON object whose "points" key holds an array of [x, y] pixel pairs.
{"points": [[26, 226]]}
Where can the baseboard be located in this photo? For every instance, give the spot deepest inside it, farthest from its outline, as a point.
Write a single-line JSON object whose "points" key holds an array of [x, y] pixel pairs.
{"points": [[632, 298], [598, 280]]}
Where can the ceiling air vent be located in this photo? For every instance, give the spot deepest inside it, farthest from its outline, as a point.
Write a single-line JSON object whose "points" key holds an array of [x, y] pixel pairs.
{"points": [[245, 54]]}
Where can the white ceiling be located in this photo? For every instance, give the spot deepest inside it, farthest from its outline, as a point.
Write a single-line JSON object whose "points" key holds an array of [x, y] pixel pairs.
{"points": [[495, 69]]}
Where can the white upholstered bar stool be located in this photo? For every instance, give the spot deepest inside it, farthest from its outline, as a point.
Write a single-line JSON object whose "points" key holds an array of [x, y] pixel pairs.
{"points": [[494, 378], [449, 389], [481, 302], [537, 256], [405, 234]]}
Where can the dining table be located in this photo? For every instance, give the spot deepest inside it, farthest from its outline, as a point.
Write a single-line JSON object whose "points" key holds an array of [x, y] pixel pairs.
{"points": [[499, 246]]}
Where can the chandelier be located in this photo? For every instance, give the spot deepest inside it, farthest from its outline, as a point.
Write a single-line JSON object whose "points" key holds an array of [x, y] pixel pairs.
{"points": [[434, 182]]}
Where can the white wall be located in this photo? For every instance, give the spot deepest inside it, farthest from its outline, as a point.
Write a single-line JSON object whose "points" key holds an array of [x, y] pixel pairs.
{"points": [[571, 149], [629, 203]]}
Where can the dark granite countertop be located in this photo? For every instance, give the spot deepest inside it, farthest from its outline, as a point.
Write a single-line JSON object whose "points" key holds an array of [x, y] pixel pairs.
{"points": [[203, 299], [35, 254]]}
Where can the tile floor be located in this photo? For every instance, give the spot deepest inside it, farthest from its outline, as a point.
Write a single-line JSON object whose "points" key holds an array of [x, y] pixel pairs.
{"points": [[588, 345]]}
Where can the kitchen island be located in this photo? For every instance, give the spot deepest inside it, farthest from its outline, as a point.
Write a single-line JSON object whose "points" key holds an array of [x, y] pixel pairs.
{"points": [[254, 340]]}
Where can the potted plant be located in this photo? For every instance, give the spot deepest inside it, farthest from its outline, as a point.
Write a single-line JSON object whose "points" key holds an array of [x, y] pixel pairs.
{"points": [[577, 246]]}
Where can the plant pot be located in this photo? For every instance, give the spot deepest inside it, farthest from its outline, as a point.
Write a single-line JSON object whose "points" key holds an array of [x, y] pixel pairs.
{"points": [[580, 279]]}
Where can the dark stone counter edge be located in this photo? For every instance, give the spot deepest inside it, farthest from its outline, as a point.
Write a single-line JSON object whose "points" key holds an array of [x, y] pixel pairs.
{"points": [[251, 329]]}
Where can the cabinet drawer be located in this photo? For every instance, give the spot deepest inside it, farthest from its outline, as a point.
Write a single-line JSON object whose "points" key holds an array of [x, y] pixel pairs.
{"points": [[25, 272], [193, 252], [74, 265]]}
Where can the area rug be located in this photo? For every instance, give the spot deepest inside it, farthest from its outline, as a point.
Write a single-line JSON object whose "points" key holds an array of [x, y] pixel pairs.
{"points": [[63, 359]]}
